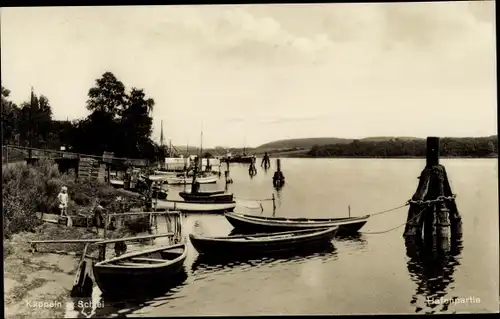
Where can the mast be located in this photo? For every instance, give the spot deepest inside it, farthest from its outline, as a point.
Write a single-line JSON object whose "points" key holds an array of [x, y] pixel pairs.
{"points": [[201, 150], [161, 134]]}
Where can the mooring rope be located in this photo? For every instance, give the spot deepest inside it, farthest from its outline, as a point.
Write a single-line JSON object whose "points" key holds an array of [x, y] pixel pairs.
{"points": [[428, 203], [418, 202], [388, 210], [386, 231]]}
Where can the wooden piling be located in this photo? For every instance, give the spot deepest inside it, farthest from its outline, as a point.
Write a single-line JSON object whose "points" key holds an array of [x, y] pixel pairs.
{"points": [[274, 203], [433, 213], [278, 178]]}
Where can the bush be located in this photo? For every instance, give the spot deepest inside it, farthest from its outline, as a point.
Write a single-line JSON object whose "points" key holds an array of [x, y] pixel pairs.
{"points": [[27, 190]]}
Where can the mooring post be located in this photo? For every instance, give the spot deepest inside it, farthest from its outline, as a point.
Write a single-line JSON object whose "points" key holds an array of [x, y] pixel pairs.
{"points": [[278, 178], [274, 203], [432, 152], [349, 209], [106, 219], [433, 209]]}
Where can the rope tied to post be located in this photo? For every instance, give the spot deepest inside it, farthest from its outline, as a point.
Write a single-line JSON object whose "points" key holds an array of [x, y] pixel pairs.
{"points": [[394, 228], [427, 204]]}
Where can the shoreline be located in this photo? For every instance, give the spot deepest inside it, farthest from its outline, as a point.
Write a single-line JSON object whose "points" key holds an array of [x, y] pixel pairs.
{"points": [[39, 284]]}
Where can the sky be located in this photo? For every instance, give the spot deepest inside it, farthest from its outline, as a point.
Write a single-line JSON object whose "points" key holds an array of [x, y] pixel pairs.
{"points": [[251, 74]]}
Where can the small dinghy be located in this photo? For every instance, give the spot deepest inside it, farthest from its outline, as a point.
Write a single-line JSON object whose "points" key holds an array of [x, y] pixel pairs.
{"points": [[251, 223], [183, 206], [141, 270], [214, 197], [176, 180], [260, 244]]}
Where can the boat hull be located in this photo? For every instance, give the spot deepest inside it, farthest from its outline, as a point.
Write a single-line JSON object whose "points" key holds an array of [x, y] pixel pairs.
{"points": [[224, 247], [181, 180], [195, 207], [249, 224], [206, 198], [114, 280]]}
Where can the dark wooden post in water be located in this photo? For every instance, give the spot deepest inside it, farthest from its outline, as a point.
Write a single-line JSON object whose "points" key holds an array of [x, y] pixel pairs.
{"points": [[433, 210], [278, 178]]}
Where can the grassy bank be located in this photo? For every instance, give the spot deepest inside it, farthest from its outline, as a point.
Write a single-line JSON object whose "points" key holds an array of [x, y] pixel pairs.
{"points": [[47, 276], [27, 190]]}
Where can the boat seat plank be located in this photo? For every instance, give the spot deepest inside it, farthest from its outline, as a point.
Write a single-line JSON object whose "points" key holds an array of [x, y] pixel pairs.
{"points": [[132, 264], [148, 259]]}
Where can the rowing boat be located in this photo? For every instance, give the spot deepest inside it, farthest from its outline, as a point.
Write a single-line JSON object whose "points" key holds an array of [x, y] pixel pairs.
{"points": [[207, 198], [262, 244], [251, 223], [141, 270], [184, 206]]}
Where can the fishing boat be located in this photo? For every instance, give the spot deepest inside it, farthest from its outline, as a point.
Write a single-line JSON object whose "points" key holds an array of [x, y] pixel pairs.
{"points": [[207, 179], [141, 270], [251, 223], [265, 243], [213, 197], [183, 206]]}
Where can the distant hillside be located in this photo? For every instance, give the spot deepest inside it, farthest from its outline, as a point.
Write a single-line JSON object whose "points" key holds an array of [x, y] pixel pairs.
{"points": [[479, 147], [304, 142], [389, 138]]}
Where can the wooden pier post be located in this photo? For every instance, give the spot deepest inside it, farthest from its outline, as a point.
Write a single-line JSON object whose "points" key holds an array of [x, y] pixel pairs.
{"points": [[274, 203], [433, 210], [278, 178]]}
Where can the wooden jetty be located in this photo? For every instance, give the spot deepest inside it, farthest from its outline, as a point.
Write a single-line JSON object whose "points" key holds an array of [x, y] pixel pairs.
{"points": [[433, 212]]}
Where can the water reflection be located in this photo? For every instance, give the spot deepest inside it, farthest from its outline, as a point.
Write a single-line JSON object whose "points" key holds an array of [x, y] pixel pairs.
{"points": [[356, 239], [210, 264], [124, 306], [432, 270]]}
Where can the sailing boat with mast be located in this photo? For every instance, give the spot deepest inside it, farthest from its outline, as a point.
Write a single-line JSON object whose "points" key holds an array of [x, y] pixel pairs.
{"points": [[201, 178]]}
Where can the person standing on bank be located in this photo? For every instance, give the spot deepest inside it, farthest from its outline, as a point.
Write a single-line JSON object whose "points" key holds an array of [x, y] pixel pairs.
{"points": [[63, 198]]}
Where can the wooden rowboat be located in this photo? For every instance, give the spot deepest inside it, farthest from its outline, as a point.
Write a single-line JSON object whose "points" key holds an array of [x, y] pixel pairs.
{"points": [[207, 198], [184, 206], [251, 223], [140, 271], [262, 244]]}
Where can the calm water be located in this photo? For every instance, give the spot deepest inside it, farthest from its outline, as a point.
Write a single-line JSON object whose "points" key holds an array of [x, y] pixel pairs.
{"points": [[369, 274]]}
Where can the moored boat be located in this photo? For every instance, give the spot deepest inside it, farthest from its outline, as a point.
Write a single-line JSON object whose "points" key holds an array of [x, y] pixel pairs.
{"points": [[176, 180], [140, 271], [265, 243], [251, 223], [184, 206], [207, 198]]}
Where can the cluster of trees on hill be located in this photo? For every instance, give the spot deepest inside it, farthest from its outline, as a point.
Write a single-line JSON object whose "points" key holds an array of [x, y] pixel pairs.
{"points": [[452, 147], [119, 122]]}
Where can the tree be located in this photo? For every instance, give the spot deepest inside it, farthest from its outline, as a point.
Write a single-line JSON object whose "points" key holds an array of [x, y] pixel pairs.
{"points": [[136, 124], [107, 96], [10, 118], [35, 121]]}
